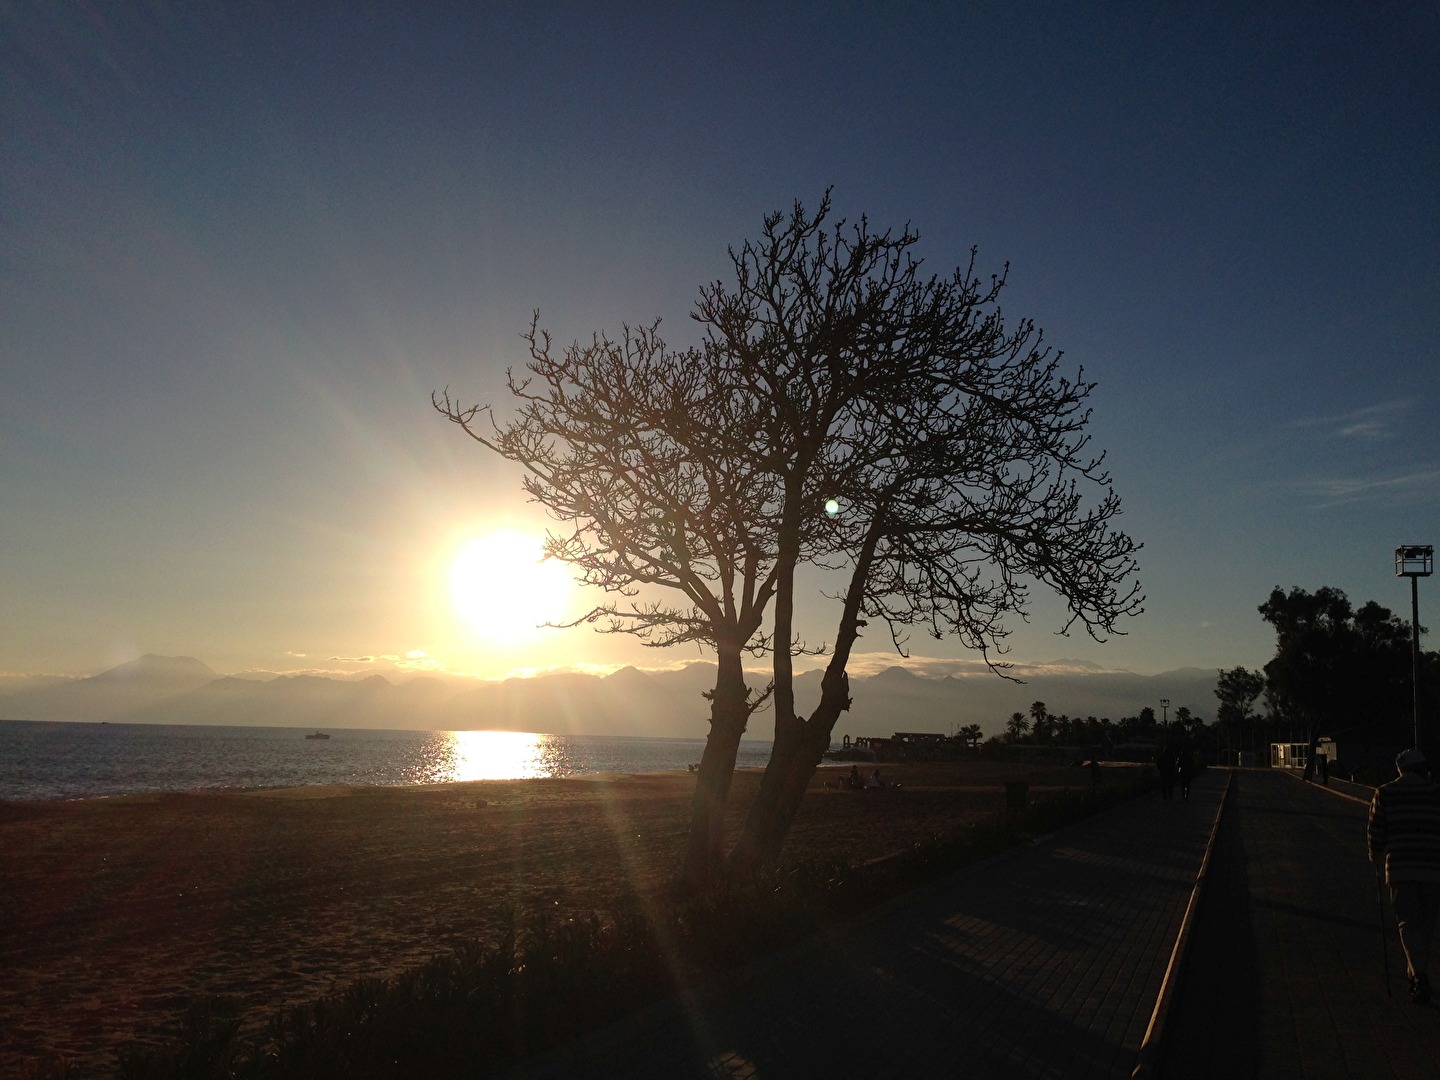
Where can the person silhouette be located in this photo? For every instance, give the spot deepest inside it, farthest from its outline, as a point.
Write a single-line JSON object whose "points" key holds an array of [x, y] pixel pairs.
{"points": [[1403, 835], [1185, 770], [1167, 766]]}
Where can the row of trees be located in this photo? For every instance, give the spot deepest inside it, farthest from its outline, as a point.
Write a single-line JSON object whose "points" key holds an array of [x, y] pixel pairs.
{"points": [[1042, 727], [840, 410], [1338, 671]]}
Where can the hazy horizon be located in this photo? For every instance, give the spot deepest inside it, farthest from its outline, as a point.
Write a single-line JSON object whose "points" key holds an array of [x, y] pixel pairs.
{"points": [[658, 703], [862, 664]]}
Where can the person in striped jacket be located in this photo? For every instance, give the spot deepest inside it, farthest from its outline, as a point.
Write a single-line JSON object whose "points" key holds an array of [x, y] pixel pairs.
{"points": [[1404, 838]]}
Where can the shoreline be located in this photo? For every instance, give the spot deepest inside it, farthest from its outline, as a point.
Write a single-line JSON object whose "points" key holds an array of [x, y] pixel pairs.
{"points": [[323, 791], [84, 760], [334, 790], [119, 910]]}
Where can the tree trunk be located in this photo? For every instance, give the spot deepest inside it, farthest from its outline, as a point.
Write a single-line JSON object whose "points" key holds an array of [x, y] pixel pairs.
{"points": [[800, 744], [729, 714], [792, 763], [792, 735]]}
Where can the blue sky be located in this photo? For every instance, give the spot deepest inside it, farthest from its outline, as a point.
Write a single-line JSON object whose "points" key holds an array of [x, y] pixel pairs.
{"points": [[242, 244]]}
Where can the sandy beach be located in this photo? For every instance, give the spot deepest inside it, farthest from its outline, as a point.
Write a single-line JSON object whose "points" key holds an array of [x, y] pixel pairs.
{"points": [[117, 912]]}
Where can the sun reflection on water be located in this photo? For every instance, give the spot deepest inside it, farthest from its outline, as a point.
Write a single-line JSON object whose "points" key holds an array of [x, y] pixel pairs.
{"points": [[501, 755]]}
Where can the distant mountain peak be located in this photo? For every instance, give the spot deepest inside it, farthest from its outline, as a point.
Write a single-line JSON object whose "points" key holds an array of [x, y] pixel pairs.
{"points": [[628, 673], [151, 667], [895, 672]]}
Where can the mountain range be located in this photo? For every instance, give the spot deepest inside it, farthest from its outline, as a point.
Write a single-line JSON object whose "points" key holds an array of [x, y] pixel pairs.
{"points": [[183, 690]]}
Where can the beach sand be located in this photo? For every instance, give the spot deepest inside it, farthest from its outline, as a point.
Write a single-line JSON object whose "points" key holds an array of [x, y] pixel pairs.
{"points": [[115, 913]]}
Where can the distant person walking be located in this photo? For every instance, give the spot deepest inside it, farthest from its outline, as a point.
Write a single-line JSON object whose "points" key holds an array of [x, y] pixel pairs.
{"points": [[1185, 770], [1404, 840], [1168, 765]]}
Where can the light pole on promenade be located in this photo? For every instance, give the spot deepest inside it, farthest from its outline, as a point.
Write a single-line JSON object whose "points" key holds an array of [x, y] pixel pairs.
{"points": [[1415, 561], [1165, 715]]}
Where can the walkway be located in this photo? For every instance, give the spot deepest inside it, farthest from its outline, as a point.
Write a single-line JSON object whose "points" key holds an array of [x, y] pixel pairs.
{"points": [[1286, 973], [1045, 962]]}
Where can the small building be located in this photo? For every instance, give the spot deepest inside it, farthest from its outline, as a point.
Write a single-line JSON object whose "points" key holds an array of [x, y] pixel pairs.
{"points": [[910, 746], [1289, 755]]}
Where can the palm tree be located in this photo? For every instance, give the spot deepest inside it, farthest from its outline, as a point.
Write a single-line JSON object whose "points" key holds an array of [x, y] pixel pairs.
{"points": [[1041, 720], [1063, 729], [1017, 726]]}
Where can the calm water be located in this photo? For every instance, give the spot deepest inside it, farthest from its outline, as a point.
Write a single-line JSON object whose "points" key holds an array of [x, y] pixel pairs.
{"points": [[75, 761]]}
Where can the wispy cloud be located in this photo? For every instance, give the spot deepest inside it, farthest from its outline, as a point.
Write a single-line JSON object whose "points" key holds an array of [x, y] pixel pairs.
{"points": [[1365, 429], [1341, 491], [867, 664], [1372, 422]]}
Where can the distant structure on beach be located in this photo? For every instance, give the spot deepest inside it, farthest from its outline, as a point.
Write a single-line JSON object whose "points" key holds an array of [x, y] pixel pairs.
{"points": [[903, 746]]}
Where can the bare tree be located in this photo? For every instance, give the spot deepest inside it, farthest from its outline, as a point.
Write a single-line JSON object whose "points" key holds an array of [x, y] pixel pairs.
{"points": [[953, 449], [844, 411], [626, 443]]}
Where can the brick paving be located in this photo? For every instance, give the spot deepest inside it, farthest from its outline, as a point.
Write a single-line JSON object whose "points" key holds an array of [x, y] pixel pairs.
{"points": [[1045, 962], [1285, 975]]}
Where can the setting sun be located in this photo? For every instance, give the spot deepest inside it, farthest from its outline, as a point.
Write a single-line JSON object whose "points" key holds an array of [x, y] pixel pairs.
{"points": [[504, 588]]}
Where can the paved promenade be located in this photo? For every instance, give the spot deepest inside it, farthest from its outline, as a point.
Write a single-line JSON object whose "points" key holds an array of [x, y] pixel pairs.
{"points": [[1286, 974], [1048, 961], [1045, 962]]}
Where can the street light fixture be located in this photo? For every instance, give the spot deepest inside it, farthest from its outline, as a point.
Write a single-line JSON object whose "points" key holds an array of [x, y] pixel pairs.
{"points": [[1415, 561], [1165, 714]]}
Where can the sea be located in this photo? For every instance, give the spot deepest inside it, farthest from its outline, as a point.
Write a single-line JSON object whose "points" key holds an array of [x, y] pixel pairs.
{"points": [[40, 760]]}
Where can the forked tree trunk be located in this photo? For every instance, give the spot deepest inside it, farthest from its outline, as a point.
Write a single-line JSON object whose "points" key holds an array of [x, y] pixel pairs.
{"points": [[729, 714], [800, 744], [799, 747]]}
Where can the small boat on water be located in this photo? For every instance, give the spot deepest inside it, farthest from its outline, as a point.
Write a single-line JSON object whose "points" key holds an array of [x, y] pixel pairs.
{"points": [[318, 735]]}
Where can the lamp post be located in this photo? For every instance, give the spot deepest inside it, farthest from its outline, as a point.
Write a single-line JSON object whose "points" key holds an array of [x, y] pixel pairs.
{"points": [[1165, 715], [1415, 561]]}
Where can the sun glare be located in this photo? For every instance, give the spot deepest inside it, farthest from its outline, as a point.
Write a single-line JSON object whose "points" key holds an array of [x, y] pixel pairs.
{"points": [[499, 755], [504, 589]]}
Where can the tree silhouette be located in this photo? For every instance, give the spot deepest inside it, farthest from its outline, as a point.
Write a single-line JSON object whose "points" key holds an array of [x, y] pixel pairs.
{"points": [[1062, 728], [1040, 726], [1189, 724], [1238, 689], [1336, 667], [1016, 726], [842, 410], [628, 443], [952, 449]]}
